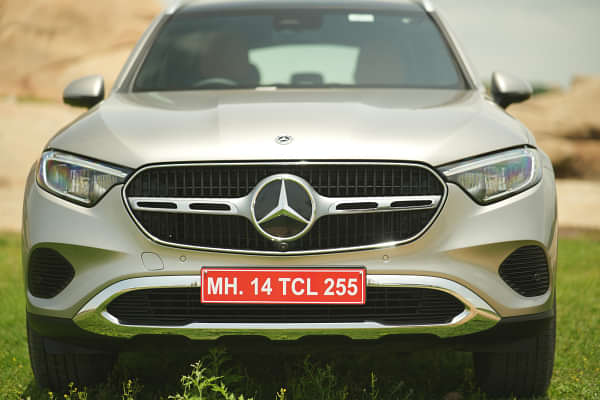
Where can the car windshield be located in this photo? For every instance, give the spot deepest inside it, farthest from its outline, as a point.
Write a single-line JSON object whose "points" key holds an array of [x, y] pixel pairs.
{"points": [[299, 49]]}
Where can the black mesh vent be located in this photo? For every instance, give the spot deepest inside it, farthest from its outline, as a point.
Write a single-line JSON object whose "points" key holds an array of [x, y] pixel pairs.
{"points": [[526, 271], [328, 180], [181, 306], [49, 273], [330, 232]]}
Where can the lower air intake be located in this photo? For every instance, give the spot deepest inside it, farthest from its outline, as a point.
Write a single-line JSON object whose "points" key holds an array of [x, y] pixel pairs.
{"points": [[385, 305], [526, 271], [49, 273]]}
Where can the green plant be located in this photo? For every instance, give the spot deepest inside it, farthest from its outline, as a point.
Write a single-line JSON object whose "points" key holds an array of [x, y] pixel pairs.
{"points": [[202, 386], [72, 394], [216, 365], [374, 393], [397, 391], [281, 394], [131, 389], [318, 383]]}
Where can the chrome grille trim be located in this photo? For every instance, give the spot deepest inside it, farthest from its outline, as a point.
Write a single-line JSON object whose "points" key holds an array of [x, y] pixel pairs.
{"points": [[182, 205], [241, 206]]}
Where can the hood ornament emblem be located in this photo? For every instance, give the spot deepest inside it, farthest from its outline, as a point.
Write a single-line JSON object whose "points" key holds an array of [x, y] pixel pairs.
{"points": [[284, 140]]}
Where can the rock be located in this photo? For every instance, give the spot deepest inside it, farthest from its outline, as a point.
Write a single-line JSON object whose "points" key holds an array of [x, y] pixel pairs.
{"points": [[571, 114], [46, 44], [566, 125], [561, 151]]}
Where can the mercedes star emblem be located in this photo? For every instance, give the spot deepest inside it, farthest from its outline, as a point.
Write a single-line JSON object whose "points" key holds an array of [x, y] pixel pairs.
{"points": [[284, 139], [283, 208]]}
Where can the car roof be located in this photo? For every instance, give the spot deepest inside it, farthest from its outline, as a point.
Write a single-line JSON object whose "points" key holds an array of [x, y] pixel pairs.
{"points": [[232, 5]]}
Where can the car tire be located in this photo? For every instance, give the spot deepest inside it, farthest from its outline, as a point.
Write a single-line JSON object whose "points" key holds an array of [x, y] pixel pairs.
{"points": [[57, 370], [518, 373]]}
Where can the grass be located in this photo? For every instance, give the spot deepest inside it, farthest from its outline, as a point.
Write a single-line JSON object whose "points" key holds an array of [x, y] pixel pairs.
{"points": [[163, 374], [23, 99]]}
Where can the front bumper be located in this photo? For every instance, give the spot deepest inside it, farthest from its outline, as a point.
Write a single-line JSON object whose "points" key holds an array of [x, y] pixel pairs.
{"points": [[460, 254], [477, 316]]}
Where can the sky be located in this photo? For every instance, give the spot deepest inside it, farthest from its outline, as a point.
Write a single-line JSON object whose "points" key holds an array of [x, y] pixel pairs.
{"points": [[544, 41]]}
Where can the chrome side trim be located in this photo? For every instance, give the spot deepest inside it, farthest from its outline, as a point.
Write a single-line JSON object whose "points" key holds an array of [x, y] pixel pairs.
{"points": [[477, 316], [241, 207], [428, 5], [183, 205], [460, 57], [136, 56], [172, 9], [384, 204]]}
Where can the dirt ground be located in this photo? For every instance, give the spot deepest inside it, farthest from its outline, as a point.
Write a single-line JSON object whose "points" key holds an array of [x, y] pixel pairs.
{"points": [[26, 127]]}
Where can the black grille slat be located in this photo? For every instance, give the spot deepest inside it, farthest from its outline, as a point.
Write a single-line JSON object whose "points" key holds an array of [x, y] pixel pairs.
{"points": [[327, 180], [49, 273], [526, 271], [390, 306]]}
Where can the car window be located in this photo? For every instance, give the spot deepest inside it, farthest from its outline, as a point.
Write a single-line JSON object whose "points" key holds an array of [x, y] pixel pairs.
{"points": [[299, 50], [324, 62]]}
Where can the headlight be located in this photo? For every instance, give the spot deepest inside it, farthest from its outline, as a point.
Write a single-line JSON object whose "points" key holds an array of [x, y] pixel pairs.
{"points": [[77, 179], [495, 177]]}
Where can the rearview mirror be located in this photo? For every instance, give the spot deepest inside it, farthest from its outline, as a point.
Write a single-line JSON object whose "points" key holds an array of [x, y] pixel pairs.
{"points": [[85, 92], [508, 89]]}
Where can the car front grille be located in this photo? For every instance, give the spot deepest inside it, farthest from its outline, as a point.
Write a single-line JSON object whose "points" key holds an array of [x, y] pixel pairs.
{"points": [[384, 305], [156, 191]]}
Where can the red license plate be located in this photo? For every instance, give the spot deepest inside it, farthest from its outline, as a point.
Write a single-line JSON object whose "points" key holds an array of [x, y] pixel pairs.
{"points": [[283, 286]]}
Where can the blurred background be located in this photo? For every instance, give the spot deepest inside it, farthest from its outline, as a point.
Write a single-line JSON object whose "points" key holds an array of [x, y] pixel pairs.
{"points": [[553, 43]]}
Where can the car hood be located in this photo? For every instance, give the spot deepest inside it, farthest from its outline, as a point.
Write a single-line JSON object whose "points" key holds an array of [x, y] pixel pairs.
{"points": [[430, 126]]}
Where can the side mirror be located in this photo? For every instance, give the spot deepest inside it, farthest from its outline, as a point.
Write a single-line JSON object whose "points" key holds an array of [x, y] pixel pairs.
{"points": [[507, 89], [85, 92]]}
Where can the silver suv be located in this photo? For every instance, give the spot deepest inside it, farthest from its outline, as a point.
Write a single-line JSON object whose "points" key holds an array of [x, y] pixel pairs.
{"points": [[284, 169]]}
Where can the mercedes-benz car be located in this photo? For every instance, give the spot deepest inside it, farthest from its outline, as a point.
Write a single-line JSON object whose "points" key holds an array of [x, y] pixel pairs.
{"points": [[290, 170]]}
